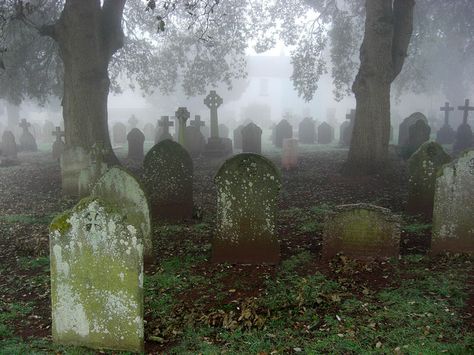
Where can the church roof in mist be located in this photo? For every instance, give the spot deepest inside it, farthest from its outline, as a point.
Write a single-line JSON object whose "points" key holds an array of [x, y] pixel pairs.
{"points": [[269, 66]]}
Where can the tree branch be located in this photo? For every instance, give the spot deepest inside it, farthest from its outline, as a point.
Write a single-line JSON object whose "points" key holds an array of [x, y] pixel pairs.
{"points": [[112, 11], [402, 30]]}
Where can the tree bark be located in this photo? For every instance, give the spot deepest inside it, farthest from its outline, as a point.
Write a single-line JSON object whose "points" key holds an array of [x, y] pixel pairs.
{"points": [[388, 29], [88, 35]]}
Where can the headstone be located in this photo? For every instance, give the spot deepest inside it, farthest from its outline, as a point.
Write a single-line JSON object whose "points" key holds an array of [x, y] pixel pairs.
{"points": [[216, 146], [97, 167], [289, 155], [58, 145], [149, 132], [97, 278], [419, 133], [135, 139], [73, 161], [342, 128], [194, 141], [163, 132], [247, 202], [307, 131], [169, 181], [446, 133], [361, 231], [423, 167], [238, 137], [8, 147], [132, 122], [27, 141], [120, 133], [283, 130], [182, 115], [464, 138], [118, 187], [404, 129], [252, 139], [223, 131], [325, 133], [453, 222], [213, 102], [347, 129], [48, 127], [197, 122]]}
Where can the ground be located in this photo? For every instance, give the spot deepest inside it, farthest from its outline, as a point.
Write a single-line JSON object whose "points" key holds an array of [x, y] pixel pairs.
{"points": [[415, 304]]}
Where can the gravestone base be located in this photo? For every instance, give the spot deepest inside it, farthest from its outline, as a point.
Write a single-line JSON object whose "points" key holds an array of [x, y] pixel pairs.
{"points": [[218, 147], [264, 251]]}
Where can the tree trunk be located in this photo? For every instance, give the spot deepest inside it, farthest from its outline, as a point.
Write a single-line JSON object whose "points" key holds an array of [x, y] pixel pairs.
{"points": [[88, 35], [388, 29]]}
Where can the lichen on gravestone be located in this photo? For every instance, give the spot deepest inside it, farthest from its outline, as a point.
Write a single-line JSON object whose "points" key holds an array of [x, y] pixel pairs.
{"points": [[96, 278]]}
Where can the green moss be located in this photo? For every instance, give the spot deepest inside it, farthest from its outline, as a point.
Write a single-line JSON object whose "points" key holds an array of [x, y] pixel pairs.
{"points": [[60, 223]]}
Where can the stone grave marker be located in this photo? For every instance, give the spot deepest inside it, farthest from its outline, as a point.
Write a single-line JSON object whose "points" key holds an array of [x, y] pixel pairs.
{"points": [[8, 148], [464, 138], [27, 141], [419, 133], [136, 140], [423, 167], [346, 132], [361, 231], [182, 115], [149, 132], [97, 278], [58, 145], [72, 162], [247, 194], [238, 137], [164, 129], [446, 133], [307, 131], [119, 131], [289, 155], [216, 146], [118, 187], [252, 139], [404, 129], [283, 130], [453, 222], [325, 133], [194, 141], [169, 181]]}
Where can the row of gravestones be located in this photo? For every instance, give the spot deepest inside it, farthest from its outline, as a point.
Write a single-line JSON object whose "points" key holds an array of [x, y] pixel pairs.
{"points": [[307, 132], [98, 248]]}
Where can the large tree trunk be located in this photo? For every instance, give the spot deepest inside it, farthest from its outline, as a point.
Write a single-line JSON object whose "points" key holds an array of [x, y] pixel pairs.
{"points": [[88, 35], [388, 29]]}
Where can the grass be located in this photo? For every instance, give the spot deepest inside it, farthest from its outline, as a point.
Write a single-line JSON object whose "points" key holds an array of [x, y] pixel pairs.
{"points": [[26, 219]]}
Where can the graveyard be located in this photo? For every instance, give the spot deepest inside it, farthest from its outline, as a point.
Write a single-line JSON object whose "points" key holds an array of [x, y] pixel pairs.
{"points": [[221, 177]]}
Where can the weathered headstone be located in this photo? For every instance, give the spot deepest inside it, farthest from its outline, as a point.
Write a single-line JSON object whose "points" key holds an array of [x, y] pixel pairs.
{"points": [[135, 139], [27, 141], [8, 147], [404, 129], [446, 133], [464, 138], [252, 139], [120, 133], [325, 133], [307, 131], [182, 115], [419, 133], [163, 132], [423, 167], [73, 161], [223, 131], [169, 181], [247, 194], [346, 133], [149, 132], [216, 146], [238, 137], [58, 145], [453, 222], [194, 141], [289, 155], [283, 130], [97, 278], [118, 187], [361, 231]]}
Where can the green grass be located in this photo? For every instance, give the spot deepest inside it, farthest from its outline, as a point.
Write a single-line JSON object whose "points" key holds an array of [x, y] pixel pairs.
{"points": [[26, 219]]}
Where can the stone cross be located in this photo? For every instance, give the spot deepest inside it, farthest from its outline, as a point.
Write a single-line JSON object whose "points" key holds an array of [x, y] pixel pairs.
{"points": [[58, 133], [197, 122], [133, 121], [446, 108], [166, 124], [213, 101], [466, 108], [24, 124], [182, 114]]}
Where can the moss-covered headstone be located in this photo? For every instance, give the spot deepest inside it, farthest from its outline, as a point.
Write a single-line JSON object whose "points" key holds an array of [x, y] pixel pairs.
{"points": [[361, 231], [169, 182], [453, 212], [96, 278], [120, 188], [247, 194], [423, 166]]}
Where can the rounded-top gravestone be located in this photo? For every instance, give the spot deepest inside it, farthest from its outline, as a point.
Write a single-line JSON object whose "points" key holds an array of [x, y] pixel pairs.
{"points": [[248, 186], [252, 139], [169, 181], [135, 139], [238, 137], [149, 132], [404, 129], [307, 131], [119, 187], [325, 133], [423, 167], [418, 133], [8, 148], [283, 130]]}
